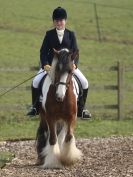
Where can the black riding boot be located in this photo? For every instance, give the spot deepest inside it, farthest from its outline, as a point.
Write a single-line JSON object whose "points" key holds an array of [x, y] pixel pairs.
{"points": [[35, 102], [82, 112]]}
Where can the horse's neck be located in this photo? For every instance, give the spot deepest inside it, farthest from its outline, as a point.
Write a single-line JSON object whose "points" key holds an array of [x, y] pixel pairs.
{"points": [[69, 78]]}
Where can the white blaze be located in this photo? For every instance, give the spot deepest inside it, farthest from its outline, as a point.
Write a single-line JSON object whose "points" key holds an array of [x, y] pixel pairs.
{"points": [[61, 90]]}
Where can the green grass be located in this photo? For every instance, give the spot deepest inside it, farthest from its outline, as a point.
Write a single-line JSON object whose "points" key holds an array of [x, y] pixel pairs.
{"points": [[23, 130], [5, 157], [104, 128], [22, 28], [84, 129]]}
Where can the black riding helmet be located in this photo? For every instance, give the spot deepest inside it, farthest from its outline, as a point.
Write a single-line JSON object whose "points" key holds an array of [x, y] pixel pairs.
{"points": [[59, 13]]}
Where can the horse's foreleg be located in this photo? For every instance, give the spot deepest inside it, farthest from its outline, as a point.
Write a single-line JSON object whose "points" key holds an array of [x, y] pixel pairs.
{"points": [[69, 152], [40, 145], [41, 138], [52, 151]]}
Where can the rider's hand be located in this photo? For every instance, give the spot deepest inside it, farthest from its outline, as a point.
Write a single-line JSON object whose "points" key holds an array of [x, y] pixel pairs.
{"points": [[47, 67], [74, 66]]}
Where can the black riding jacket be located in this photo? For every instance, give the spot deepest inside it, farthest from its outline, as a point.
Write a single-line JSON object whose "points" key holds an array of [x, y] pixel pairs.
{"points": [[51, 41]]}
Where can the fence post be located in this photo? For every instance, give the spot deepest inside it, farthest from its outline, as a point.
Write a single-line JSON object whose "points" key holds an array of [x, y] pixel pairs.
{"points": [[120, 76], [97, 23]]}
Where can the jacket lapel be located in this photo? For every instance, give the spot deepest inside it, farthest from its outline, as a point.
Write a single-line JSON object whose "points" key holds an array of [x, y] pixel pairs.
{"points": [[56, 40], [65, 36]]}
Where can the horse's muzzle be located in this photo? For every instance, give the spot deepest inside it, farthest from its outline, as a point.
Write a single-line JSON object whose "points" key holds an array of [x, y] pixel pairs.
{"points": [[59, 99]]}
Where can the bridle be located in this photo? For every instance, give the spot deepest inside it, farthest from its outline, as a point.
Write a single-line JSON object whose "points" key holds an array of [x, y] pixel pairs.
{"points": [[62, 83], [67, 84]]}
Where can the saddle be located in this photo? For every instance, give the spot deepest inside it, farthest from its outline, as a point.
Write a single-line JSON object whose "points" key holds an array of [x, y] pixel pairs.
{"points": [[40, 87], [80, 88]]}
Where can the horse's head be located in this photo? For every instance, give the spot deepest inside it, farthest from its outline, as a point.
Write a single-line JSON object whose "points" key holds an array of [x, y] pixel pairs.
{"points": [[63, 69], [65, 61]]}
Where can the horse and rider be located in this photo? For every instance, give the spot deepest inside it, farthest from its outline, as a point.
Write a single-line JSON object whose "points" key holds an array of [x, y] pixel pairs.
{"points": [[56, 39]]}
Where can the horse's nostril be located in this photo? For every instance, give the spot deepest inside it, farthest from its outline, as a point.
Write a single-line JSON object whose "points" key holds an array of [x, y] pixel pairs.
{"points": [[59, 99]]}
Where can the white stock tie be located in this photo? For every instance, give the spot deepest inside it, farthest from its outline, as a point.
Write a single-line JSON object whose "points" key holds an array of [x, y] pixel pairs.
{"points": [[60, 34]]}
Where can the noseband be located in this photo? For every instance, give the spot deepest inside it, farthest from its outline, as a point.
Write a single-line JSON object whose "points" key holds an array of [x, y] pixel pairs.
{"points": [[67, 83], [62, 83]]}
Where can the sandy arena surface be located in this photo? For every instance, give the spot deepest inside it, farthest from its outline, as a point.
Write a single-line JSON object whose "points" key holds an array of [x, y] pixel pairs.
{"points": [[103, 157]]}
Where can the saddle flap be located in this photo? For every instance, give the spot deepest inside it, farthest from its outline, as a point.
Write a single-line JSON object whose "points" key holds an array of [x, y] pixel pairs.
{"points": [[78, 86]]}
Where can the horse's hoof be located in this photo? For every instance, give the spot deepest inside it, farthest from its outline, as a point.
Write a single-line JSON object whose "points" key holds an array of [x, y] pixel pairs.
{"points": [[49, 167], [39, 162]]}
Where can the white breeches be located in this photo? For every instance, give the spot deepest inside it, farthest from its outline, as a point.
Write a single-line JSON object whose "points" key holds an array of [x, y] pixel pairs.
{"points": [[38, 78], [82, 78], [77, 72]]}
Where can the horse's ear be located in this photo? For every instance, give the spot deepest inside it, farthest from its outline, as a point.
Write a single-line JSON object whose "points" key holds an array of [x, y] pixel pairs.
{"points": [[75, 55], [56, 52]]}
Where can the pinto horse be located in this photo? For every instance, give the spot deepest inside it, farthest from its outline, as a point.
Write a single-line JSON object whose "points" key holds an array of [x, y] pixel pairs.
{"points": [[55, 141]]}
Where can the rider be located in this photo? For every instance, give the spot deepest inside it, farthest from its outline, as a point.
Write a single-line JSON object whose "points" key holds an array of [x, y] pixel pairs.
{"points": [[58, 38]]}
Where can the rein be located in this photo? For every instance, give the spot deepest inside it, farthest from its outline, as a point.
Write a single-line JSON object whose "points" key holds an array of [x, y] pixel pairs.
{"points": [[19, 84]]}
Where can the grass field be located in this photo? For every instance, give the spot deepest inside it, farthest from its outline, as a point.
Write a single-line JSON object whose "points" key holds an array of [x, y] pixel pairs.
{"points": [[22, 28], [84, 129]]}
